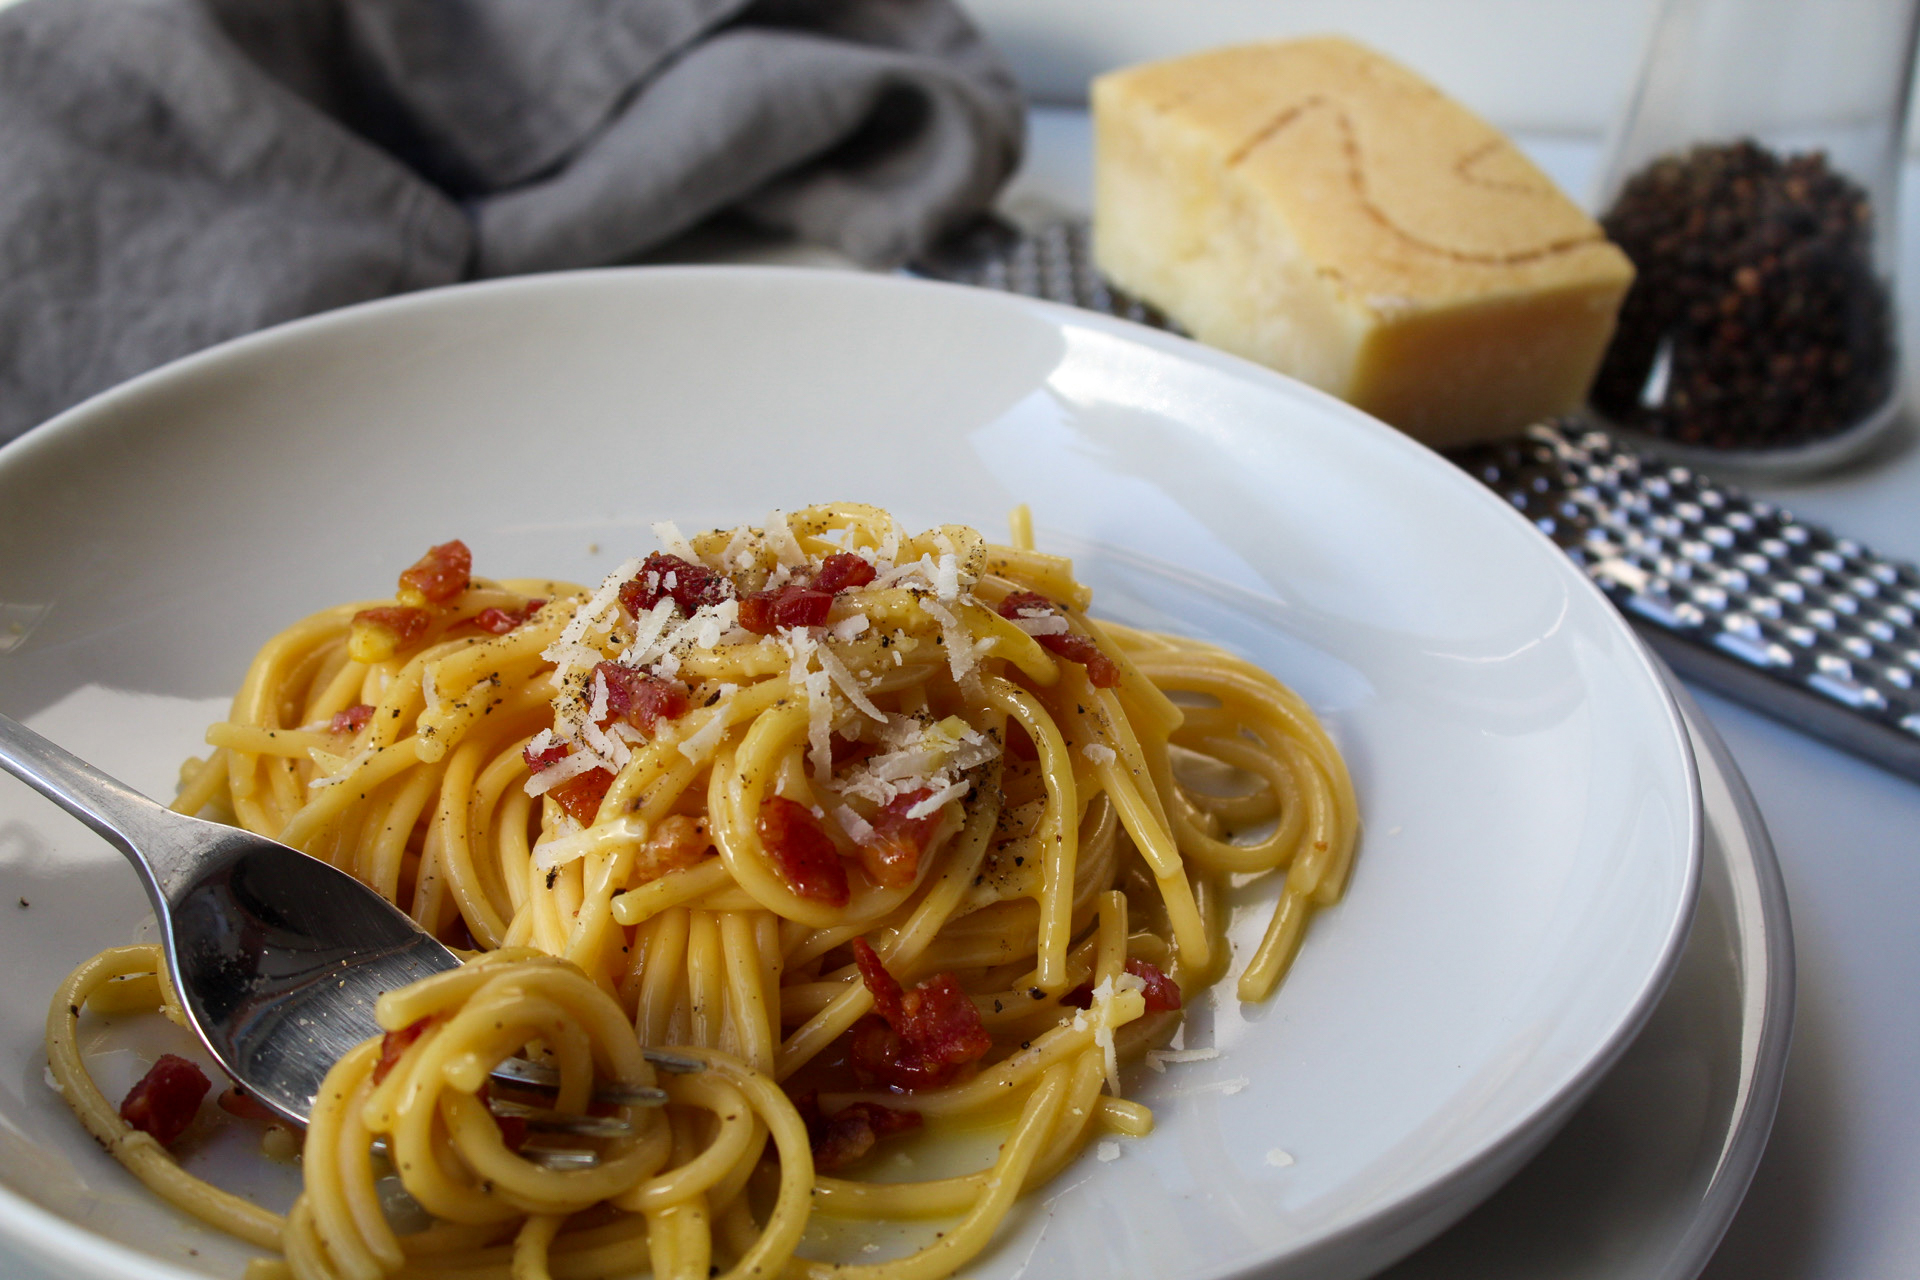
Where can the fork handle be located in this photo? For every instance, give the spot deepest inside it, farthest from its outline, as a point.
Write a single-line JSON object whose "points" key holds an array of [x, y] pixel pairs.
{"points": [[148, 834]]}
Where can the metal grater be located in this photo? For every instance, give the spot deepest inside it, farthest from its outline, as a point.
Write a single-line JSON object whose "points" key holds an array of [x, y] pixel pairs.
{"points": [[1734, 593]]}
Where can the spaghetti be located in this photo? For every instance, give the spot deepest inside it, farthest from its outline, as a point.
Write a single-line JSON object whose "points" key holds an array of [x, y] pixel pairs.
{"points": [[874, 831]]}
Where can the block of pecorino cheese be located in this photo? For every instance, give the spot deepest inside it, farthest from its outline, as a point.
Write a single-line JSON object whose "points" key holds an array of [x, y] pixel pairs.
{"points": [[1318, 208]]}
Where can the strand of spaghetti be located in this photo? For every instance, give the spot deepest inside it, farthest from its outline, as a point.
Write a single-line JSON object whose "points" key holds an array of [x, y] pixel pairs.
{"points": [[145, 1158], [335, 686], [994, 1085], [682, 1242], [1011, 643], [669, 891], [1281, 942], [706, 979], [1148, 702], [291, 743], [756, 1027], [1176, 891], [592, 937], [1059, 844], [1020, 527], [203, 784], [960, 1244], [1281, 773], [455, 816], [787, 1217], [497, 801], [358, 1245], [730, 1142], [329, 802], [530, 1246], [945, 1197], [666, 949]]}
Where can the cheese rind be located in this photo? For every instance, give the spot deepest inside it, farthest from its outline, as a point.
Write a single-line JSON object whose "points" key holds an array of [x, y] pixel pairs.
{"points": [[1318, 208]]}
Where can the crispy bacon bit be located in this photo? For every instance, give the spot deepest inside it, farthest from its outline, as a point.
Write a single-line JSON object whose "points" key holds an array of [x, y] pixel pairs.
{"points": [[661, 576], [892, 857], [920, 1038], [238, 1102], [1101, 670], [802, 850], [680, 840], [1162, 994], [581, 795], [643, 701], [379, 633], [850, 1133], [166, 1099], [352, 720], [439, 575], [497, 621], [1019, 602], [794, 605], [841, 570], [553, 754], [394, 1044]]}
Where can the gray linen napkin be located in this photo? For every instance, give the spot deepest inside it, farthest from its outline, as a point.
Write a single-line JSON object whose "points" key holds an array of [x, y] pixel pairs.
{"points": [[177, 172]]}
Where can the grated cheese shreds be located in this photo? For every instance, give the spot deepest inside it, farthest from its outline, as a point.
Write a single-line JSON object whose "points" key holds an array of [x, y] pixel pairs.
{"points": [[702, 740], [1107, 1152], [837, 669], [922, 568], [1228, 1087], [592, 611], [1099, 753], [428, 690], [961, 655], [345, 771], [675, 542], [1102, 1010], [646, 631], [786, 547], [560, 771], [820, 724], [1041, 622], [933, 803], [612, 752], [849, 627], [1159, 1058], [598, 710], [858, 829], [601, 839], [739, 550], [946, 579]]}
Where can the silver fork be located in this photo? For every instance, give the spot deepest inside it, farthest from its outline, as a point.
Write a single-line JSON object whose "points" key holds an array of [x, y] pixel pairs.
{"points": [[277, 956]]}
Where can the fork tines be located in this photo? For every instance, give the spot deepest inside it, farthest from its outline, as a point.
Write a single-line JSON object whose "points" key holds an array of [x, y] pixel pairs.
{"points": [[541, 1120], [538, 1076]]}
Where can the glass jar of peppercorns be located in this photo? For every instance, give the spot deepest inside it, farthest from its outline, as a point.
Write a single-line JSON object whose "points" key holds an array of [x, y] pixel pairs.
{"points": [[1753, 184]]}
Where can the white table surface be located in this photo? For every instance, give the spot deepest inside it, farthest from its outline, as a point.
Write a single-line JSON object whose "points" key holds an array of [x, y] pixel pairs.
{"points": [[1837, 1196]]}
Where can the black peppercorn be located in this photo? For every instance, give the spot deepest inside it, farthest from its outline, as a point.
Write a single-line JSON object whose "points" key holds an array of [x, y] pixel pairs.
{"points": [[1756, 319]]}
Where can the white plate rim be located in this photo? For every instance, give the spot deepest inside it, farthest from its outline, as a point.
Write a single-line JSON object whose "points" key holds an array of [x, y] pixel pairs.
{"points": [[69, 1243]]}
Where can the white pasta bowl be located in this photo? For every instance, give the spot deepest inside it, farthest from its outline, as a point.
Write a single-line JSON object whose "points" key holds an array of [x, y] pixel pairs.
{"points": [[1528, 862]]}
